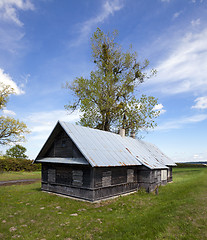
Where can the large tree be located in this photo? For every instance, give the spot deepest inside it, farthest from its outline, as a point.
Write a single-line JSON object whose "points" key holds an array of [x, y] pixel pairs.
{"points": [[107, 98], [17, 151], [11, 130]]}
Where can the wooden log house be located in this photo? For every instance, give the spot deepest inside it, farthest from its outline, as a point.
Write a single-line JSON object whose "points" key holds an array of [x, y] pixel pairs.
{"points": [[91, 164]]}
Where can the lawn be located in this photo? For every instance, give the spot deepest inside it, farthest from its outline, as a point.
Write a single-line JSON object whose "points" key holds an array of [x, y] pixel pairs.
{"points": [[179, 211], [6, 176]]}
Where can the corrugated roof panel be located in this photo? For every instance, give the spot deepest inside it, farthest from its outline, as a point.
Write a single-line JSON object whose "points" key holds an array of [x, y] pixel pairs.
{"points": [[159, 155], [99, 147], [103, 148], [136, 148]]}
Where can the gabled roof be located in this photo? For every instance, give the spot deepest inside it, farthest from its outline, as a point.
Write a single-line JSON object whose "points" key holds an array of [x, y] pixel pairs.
{"points": [[159, 155], [102, 149]]}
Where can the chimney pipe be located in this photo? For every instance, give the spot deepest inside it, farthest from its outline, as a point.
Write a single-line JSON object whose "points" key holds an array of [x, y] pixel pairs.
{"points": [[122, 132], [132, 134]]}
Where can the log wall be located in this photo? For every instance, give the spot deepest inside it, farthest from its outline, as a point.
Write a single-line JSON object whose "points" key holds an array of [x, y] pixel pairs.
{"points": [[88, 183], [99, 183]]}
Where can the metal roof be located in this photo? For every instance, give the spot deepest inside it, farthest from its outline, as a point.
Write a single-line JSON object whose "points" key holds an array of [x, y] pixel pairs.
{"points": [[76, 161], [102, 148], [138, 149], [159, 155]]}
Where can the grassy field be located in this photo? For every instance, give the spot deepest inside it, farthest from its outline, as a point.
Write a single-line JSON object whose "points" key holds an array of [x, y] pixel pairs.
{"points": [[178, 212], [6, 176]]}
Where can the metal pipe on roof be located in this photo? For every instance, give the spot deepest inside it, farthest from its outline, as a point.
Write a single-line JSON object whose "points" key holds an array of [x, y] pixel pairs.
{"points": [[122, 132], [132, 134]]}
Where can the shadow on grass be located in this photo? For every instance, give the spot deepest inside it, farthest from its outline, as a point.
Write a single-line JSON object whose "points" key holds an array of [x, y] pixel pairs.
{"points": [[38, 189]]}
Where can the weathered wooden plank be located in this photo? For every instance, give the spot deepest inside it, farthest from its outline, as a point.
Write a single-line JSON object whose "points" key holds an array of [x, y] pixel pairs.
{"points": [[77, 176], [51, 175], [130, 175], [106, 179]]}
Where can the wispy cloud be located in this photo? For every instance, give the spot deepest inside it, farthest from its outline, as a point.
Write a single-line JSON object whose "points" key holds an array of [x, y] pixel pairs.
{"points": [[11, 27], [9, 8], [180, 123], [7, 80], [108, 8], [184, 70], [194, 1], [10, 39], [200, 157], [189, 157], [41, 123], [177, 14], [196, 22], [8, 112], [201, 103]]}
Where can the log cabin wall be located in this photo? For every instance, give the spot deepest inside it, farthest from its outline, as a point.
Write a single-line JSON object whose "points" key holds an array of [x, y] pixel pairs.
{"points": [[63, 147], [88, 183], [74, 181], [150, 179], [112, 181], [98, 183]]}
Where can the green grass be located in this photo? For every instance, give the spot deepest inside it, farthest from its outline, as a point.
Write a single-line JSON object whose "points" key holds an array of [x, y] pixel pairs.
{"points": [[179, 211], [6, 176]]}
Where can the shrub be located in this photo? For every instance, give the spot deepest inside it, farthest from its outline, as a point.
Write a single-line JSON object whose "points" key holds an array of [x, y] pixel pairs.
{"points": [[13, 164]]}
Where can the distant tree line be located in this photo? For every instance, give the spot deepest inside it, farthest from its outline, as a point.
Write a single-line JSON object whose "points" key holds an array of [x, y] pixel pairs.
{"points": [[191, 165], [15, 159]]}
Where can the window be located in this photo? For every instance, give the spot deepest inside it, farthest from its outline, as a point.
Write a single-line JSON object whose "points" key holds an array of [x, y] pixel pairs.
{"points": [[130, 175], [163, 175], [77, 178], [63, 143], [51, 175], [106, 179]]}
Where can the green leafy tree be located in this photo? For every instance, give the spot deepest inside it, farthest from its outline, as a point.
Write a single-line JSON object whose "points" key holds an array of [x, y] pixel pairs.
{"points": [[107, 99], [11, 130], [17, 151]]}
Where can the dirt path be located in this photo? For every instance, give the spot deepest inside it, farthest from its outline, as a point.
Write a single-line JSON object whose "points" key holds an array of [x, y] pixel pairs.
{"points": [[19, 181]]}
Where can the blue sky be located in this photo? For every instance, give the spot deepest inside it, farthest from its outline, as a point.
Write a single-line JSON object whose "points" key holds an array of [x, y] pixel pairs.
{"points": [[44, 43]]}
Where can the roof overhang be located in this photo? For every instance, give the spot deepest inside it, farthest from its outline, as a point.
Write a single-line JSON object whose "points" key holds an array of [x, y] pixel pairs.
{"points": [[73, 161]]}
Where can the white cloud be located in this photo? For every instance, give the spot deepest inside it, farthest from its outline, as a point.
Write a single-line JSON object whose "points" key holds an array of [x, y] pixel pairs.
{"points": [[52, 116], [177, 14], [194, 1], [8, 112], [184, 70], [11, 30], [200, 157], [41, 122], [180, 123], [9, 8], [159, 107], [165, 0], [108, 8], [196, 22], [7, 80], [11, 40], [201, 103], [190, 157]]}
